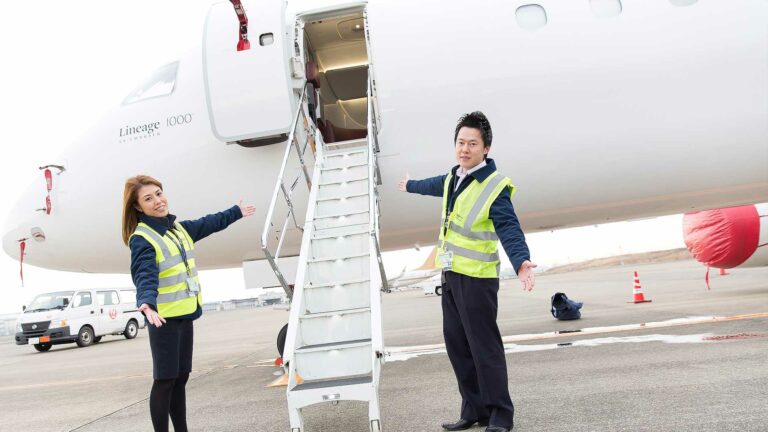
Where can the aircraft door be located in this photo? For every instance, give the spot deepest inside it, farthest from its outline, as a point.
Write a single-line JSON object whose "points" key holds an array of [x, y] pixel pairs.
{"points": [[249, 93]]}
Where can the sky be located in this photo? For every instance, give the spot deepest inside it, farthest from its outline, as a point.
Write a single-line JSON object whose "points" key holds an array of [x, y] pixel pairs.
{"points": [[66, 63]]}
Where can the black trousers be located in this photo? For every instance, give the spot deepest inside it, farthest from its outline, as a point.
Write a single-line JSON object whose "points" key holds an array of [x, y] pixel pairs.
{"points": [[474, 347]]}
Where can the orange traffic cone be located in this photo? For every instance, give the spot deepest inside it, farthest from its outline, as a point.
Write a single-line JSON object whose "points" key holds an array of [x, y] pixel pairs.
{"points": [[638, 292]]}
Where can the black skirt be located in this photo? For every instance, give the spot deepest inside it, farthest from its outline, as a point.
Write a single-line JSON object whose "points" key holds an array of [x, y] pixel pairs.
{"points": [[171, 346]]}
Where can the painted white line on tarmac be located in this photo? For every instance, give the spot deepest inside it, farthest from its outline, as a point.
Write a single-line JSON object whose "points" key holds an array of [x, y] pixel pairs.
{"points": [[404, 353], [514, 348]]}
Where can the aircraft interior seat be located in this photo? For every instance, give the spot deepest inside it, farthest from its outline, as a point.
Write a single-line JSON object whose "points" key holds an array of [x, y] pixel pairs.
{"points": [[344, 134], [326, 131], [313, 84]]}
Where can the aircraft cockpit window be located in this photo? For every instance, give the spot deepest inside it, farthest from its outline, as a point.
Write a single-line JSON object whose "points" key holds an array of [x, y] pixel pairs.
{"points": [[161, 83]]}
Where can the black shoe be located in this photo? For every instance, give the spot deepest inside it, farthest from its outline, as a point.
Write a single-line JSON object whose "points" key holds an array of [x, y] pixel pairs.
{"points": [[496, 429], [462, 424]]}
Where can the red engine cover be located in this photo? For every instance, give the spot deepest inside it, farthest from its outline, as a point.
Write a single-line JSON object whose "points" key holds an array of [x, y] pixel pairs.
{"points": [[722, 238]]}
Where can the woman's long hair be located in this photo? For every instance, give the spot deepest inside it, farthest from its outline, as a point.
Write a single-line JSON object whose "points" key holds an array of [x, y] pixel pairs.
{"points": [[130, 198]]}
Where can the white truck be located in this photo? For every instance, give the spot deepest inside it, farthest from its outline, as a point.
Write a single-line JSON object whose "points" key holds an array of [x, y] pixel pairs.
{"points": [[79, 316]]}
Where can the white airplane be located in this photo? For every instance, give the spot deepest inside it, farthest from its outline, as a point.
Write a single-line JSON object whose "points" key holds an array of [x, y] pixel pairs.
{"points": [[602, 110], [427, 271]]}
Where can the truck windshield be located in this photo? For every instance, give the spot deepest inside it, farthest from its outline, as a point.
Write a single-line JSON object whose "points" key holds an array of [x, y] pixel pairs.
{"points": [[47, 301]]}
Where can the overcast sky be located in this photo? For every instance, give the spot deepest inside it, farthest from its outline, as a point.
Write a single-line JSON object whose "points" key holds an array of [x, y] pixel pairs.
{"points": [[66, 63]]}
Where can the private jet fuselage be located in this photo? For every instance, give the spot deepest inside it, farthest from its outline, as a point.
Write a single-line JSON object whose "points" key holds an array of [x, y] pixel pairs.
{"points": [[597, 116]]}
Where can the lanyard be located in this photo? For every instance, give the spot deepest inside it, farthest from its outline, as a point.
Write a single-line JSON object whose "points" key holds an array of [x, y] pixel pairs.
{"points": [[448, 207], [180, 244]]}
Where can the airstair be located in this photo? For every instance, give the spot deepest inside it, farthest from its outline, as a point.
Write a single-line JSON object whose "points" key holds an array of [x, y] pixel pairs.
{"points": [[334, 347]]}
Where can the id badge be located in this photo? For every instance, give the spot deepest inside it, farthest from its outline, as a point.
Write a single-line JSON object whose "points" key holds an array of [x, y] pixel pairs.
{"points": [[193, 285], [446, 260]]}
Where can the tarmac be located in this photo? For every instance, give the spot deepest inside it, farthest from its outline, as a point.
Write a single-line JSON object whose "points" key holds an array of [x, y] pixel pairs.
{"points": [[700, 362]]}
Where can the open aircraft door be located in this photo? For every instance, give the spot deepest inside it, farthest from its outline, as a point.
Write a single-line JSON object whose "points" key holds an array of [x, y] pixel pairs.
{"points": [[248, 92]]}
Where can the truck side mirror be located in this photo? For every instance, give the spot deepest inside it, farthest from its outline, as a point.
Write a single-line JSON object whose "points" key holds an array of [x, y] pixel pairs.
{"points": [[23, 308], [66, 302]]}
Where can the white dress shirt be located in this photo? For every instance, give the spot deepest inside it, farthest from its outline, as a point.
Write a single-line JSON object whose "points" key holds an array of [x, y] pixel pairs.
{"points": [[461, 173]]}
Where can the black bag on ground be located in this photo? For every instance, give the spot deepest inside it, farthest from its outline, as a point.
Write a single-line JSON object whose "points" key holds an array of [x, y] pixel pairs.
{"points": [[564, 308]]}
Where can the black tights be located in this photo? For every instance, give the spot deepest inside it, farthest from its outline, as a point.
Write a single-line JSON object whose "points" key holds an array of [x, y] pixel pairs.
{"points": [[168, 396]]}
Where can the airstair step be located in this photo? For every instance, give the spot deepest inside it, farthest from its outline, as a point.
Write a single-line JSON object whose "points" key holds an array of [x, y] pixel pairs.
{"points": [[347, 145], [343, 174], [325, 384], [345, 206], [334, 326], [340, 232], [345, 158], [333, 346], [341, 362], [357, 244], [330, 298], [343, 189]]}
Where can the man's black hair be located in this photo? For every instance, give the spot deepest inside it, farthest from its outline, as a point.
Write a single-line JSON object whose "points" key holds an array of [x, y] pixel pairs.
{"points": [[476, 120]]}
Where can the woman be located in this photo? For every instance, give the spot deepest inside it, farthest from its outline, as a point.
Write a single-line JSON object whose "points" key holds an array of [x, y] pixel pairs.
{"points": [[167, 287]]}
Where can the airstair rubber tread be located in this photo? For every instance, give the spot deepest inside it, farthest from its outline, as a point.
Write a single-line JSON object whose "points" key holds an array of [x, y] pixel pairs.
{"points": [[319, 235], [333, 284], [342, 214], [335, 312], [338, 257], [346, 153], [339, 345], [343, 181], [344, 167], [312, 385], [336, 198]]}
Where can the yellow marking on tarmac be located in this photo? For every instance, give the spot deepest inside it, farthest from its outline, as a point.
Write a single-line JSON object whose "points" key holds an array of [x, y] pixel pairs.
{"points": [[595, 330]]}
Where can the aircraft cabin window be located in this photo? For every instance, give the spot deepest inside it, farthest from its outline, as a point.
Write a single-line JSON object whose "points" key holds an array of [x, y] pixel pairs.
{"points": [[682, 2], [161, 83], [531, 17], [605, 8]]}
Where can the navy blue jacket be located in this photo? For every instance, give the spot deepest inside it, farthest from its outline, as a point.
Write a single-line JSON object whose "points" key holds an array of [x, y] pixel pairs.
{"points": [[143, 266], [502, 214]]}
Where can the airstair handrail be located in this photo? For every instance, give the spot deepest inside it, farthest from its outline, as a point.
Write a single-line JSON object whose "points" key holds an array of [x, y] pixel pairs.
{"points": [[280, 186], [375, 179]]}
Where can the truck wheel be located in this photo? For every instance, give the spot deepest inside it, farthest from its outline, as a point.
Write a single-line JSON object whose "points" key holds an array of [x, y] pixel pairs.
{"points": [[43, 347], [438, 290], [131, 329], [97, 339], [84, 337], [281, 339]]}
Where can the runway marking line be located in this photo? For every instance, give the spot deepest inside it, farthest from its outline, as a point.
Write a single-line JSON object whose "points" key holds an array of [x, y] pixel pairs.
{"points": [[591, 331]]}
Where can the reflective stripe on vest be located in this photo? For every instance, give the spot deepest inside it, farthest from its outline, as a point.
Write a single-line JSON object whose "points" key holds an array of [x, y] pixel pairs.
{"points": [[173, 298], [471, 236]]}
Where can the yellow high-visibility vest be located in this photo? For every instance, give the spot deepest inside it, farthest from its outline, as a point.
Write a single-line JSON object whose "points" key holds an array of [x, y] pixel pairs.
{"points": [[173, 296], [468, 231]]}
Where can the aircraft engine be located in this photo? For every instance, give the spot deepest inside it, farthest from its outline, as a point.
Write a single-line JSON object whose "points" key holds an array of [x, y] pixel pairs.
{"points": [[728, 237]]}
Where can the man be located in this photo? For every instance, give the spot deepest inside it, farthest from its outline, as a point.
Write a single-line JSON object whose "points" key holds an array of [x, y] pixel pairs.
{"points": [[477, 213]]}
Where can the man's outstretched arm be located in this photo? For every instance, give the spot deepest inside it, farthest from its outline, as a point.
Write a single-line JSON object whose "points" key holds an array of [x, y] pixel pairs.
{"points": [[432, 186]]}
